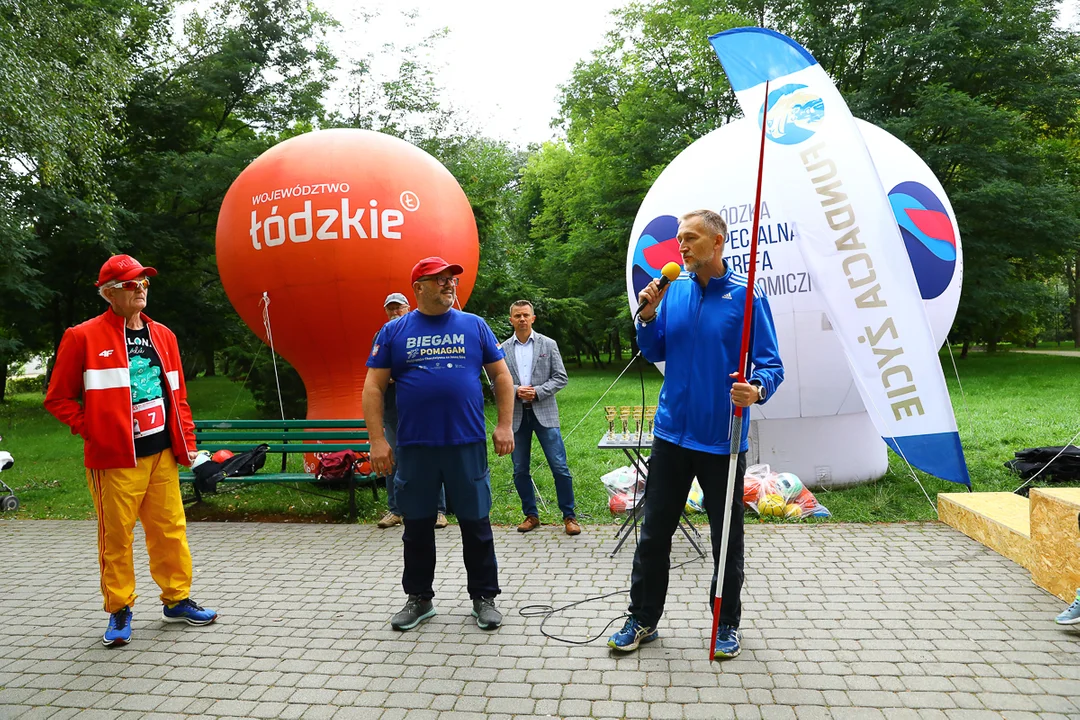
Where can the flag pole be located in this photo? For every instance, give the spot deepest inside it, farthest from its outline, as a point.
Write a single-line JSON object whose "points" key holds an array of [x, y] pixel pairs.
{"points": [[737, 417]]}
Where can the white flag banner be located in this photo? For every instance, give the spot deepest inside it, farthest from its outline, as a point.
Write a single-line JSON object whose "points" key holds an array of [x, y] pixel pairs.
{"points": [[853, 248]]}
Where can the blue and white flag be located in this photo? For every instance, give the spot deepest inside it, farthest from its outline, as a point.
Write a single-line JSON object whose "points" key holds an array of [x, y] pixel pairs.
{"points": [[851, 243]]}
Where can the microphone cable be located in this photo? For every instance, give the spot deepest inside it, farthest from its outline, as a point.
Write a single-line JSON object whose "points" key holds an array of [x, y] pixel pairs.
{"points": [[546, 612], [637, 456]]}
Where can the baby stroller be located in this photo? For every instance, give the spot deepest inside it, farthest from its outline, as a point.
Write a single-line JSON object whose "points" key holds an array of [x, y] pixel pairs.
{"points": [[8, 501]]}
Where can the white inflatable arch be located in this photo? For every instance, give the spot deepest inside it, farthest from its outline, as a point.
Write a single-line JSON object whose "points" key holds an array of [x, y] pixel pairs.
{"points": [[815, 426]]}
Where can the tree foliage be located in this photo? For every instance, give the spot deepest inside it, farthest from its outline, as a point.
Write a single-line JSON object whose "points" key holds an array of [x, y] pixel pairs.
{"points": [[122, 125], [986, 93], [650, 91]]}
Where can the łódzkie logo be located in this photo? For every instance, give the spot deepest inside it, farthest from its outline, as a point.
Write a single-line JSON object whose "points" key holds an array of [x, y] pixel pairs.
{"points": [[655, 248], [928, 235]]}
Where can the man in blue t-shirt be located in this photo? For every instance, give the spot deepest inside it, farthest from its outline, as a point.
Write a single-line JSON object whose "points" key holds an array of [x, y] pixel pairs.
{"points": [[435, 355]]}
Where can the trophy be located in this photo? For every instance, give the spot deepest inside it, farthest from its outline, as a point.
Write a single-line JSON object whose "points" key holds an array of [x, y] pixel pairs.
{"points": [[611, 412], [639, 423], [650, 417], [624, 413]]}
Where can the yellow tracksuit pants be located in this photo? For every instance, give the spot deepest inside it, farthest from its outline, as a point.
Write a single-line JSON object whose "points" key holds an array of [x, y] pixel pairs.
{"points": [[149, 492]]}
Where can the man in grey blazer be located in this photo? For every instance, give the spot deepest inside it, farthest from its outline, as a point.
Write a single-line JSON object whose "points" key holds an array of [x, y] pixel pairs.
{"points": [[538, 373]]}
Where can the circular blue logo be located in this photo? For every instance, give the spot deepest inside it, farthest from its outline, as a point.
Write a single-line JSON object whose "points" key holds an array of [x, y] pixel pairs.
{"points": [[928, 236], [795, 114], [655, 248]]}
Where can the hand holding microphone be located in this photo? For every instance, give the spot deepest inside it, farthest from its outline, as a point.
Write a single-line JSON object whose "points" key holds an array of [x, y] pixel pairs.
{"points": [[653, 293]]}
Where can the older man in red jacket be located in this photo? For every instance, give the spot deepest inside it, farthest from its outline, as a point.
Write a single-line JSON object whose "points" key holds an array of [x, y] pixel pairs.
{"points": [[119, 385]]}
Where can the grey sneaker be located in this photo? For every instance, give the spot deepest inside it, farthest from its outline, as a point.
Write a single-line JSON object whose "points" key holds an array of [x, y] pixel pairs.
{"points": [[487, 617], [389, 520], [415, 612]]}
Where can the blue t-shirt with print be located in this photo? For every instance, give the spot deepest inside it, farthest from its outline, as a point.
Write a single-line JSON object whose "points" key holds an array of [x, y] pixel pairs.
{"points": [[435, 361]]}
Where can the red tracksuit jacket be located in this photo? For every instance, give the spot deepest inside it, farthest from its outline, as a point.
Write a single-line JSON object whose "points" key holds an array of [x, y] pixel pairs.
{"points": [[92, 367]]}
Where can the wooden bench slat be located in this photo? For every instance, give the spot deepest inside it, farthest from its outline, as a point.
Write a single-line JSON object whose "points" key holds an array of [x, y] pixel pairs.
{"points": [[274, 477], [292, 449], [298, 437], [277, 424]]}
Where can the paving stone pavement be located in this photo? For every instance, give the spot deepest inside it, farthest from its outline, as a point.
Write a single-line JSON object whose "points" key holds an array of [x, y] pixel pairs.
{"points": [[841, 621]]}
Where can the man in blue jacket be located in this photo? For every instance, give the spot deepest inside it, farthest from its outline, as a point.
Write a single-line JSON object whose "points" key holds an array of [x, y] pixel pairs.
{"points": [[697, 331]]}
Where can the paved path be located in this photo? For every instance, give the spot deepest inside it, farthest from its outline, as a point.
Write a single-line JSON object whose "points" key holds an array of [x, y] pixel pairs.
{"points": [[1063, 353], [845, 621]]}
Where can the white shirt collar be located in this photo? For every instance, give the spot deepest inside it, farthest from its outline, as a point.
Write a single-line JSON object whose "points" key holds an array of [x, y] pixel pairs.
{"points": [[532, 335]]}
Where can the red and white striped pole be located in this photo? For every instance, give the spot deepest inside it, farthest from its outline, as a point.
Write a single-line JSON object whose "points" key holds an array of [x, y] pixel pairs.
{"points": [[737, 418]]}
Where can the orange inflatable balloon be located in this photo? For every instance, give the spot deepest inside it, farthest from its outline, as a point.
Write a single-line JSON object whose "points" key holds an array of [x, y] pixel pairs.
{"points": [[318, 231]]}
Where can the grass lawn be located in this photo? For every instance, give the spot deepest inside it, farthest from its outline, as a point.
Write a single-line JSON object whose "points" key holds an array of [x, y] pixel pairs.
{"points": [[1010, 401]]}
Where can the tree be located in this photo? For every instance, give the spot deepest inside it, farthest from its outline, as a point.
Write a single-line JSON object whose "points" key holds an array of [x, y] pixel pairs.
{"points": [[241, 78], [65, 66], [407, 102], [64, 69], [653, 89], [985, 93], [487, 171]]}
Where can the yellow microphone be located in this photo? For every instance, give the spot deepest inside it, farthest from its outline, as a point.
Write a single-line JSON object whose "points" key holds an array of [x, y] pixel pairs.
{"points": [[670, 272]]}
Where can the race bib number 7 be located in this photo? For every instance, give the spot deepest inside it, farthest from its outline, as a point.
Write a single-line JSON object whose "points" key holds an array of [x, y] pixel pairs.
{"points": [[149, 417]]}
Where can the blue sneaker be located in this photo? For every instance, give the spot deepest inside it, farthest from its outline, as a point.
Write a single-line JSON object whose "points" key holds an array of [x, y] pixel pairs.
{"points": [[727, 643], [119, 632], [632, 634], [1071, 614], [188, 611]]}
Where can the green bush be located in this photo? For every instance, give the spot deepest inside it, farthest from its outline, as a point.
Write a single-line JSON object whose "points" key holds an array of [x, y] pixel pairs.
{"points": [[26, 385]]}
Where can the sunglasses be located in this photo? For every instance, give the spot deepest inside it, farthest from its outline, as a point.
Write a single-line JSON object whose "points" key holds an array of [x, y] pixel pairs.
{"points": [[132, 285], [442, 281]]}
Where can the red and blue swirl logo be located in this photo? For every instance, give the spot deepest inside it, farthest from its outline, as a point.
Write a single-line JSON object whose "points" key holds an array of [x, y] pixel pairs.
{"points": [[656, 247], [928, 235]]}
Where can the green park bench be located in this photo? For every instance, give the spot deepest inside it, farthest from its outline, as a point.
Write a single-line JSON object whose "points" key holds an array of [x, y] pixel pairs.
{"points": [[285, 437]]}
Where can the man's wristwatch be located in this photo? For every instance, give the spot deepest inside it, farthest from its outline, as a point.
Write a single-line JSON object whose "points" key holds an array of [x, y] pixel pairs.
{"points": [[643, 322], [760, 390]]}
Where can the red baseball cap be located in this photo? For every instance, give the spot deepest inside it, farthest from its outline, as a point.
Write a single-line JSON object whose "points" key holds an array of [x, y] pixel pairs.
{"points": [[433, 266], [119, 268]]}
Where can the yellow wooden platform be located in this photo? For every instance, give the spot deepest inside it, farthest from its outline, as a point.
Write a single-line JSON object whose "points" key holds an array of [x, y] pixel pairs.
{"points": [[1055, 532], [999, 520], [1041, 535]]}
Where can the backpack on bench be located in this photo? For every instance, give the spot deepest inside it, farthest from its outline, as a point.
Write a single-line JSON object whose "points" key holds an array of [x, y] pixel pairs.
{"points": [[336, 467], [210, 473]]}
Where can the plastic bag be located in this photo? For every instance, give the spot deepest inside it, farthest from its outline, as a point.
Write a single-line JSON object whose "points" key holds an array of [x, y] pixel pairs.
{"points": [[780, 495], [695, 501], [626, 489]]}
